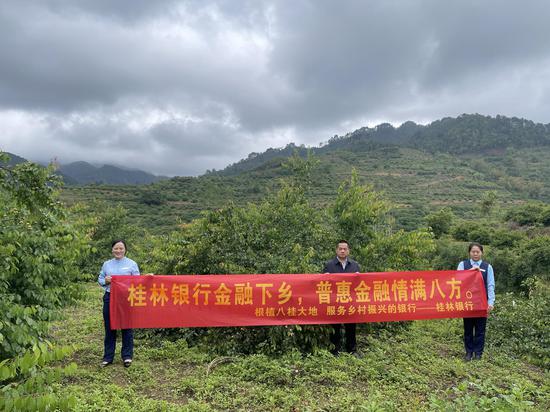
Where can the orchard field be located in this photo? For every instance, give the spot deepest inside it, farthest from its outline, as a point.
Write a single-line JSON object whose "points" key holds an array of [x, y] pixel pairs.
{"points": [[51, 326]]}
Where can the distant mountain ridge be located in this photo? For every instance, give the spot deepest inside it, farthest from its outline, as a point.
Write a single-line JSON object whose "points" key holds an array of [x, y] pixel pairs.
{"points": [[468, 132], [83, 173], [86, 173]]}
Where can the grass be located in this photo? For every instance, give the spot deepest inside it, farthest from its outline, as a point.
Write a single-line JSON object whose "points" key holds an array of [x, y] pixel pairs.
{"points": [[416, 368]]}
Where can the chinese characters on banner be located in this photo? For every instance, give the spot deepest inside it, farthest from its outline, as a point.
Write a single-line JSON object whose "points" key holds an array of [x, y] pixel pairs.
{"points": [[254, 300]]}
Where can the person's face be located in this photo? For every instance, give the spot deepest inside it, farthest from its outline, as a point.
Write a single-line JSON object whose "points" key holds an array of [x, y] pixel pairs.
{"points": [[119, 250], [475, 253], [342, 251]]}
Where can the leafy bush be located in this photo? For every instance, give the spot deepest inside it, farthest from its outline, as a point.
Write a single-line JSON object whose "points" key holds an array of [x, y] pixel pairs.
{"points": [[471, 231], [534, 258], [528, 259], [361, 216], [440, 222], [100, 224], [152, 198], [506, 238], [448, 254], [503, 260], [530, 213], [545, 217], [397, 251], [520, 324], [26, 381], [461, 230], [270, 340], [38, 254]]}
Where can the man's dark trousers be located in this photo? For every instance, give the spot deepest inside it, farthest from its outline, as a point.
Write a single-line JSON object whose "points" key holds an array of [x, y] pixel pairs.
{"points": [[334, 266], [336, 337]]}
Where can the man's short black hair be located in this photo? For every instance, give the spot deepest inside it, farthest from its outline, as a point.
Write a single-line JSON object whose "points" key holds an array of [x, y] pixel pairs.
{"points": [[471, 245], [343, 241]]}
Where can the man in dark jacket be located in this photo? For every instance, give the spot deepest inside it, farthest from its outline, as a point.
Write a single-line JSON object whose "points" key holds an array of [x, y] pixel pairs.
{"points": [[343, 264]]}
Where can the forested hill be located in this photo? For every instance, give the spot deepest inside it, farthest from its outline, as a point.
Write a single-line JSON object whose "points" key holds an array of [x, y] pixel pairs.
{"points": [[471, 133], [464, 134], [451, 163], [14, 159]]}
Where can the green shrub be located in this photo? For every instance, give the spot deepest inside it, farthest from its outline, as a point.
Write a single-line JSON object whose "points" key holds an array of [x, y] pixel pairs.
{"points": [[520, 324], [448, 254], [39, 249], [506, 238], [440, 222], [26, 381], [530, 213], [100, 224], [530, 258]]}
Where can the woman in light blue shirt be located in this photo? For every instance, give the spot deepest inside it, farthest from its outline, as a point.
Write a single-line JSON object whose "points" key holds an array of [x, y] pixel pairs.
{"points": [[474, 328], [119, 265]]}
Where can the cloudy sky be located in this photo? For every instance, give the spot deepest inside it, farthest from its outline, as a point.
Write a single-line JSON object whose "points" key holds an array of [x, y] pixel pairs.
{"points": [[179, 87]]}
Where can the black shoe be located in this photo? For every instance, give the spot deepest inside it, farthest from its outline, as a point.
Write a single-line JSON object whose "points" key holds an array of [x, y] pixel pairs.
{"points": [[336, 350], [106, 363], [468, 356], [477, 356], [127, 363]]}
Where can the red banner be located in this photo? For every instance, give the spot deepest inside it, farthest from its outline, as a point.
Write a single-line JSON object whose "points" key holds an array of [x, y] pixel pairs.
{"points": [[254, 300]]}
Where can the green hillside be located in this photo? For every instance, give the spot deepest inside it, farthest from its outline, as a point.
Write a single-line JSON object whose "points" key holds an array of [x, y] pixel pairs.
{"points": [[423, 169]]}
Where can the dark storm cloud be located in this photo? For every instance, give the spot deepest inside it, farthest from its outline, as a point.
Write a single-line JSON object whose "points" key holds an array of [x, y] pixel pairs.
{"points": [[372, 57], [63, 61], [196, 137], [160, 81], [129, 11]]}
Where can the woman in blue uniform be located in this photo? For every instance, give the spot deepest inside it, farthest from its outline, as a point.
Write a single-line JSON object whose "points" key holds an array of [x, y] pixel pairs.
{"points": [[474, 328], [119, 265]]}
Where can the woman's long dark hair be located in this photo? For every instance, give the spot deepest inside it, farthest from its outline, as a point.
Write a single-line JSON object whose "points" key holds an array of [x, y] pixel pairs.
{"points": [[119, 241]]}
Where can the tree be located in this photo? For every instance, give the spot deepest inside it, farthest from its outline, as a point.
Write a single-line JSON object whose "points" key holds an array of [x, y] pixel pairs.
{"points": [[487, 202], [545, 216], [440, 222], [529, 214], [152, 198], [359, 212], [534, 261], [39, 249], [100, 224], [360, 215]]}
